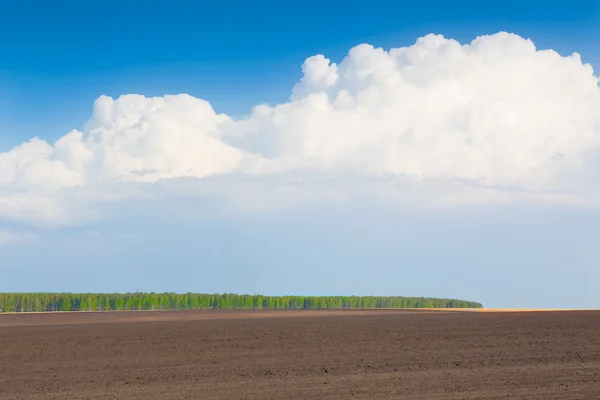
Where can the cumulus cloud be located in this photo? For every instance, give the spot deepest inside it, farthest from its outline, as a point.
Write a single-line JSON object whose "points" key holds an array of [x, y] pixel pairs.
{"points": [[494, 113]]}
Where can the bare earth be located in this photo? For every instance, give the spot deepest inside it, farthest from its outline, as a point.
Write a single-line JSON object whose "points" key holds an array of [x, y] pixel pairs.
{"points": [[351, 354]]}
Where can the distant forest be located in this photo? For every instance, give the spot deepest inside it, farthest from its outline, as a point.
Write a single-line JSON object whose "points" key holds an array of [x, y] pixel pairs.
{"points": [[40, 302]]}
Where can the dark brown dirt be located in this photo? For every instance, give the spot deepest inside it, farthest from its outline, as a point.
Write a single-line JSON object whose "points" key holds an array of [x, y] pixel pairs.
{"points": [[301, 355]]}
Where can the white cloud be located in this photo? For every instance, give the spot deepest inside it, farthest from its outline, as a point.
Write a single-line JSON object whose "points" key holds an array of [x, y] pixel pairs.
{"points": [[496, 112]]}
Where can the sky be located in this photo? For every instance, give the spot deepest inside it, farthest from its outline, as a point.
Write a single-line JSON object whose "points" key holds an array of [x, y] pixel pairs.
{"points": [[445, 149]]}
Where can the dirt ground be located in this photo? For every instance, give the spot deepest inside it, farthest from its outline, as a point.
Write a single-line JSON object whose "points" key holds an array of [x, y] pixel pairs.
{"points": [[349, 354]]}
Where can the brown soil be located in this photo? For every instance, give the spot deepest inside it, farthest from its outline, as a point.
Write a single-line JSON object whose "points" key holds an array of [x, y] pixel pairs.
{"points": [[362, 354]]}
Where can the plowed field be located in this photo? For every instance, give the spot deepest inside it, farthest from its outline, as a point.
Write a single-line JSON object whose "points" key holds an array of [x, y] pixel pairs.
{"points": [[301, 355]]}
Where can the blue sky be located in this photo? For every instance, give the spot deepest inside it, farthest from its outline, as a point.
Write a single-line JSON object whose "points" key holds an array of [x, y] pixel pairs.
{"points": [[57, 59]]}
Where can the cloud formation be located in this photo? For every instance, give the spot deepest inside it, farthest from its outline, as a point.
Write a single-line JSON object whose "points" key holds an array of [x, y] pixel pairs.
{"points": [[496, 112]]}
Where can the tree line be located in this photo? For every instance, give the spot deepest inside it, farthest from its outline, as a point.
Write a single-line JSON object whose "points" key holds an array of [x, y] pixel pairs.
{"points": [[42, 302]]}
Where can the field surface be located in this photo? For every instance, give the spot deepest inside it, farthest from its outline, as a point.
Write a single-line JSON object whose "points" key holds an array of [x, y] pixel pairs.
{"points": [[351, 354]]}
